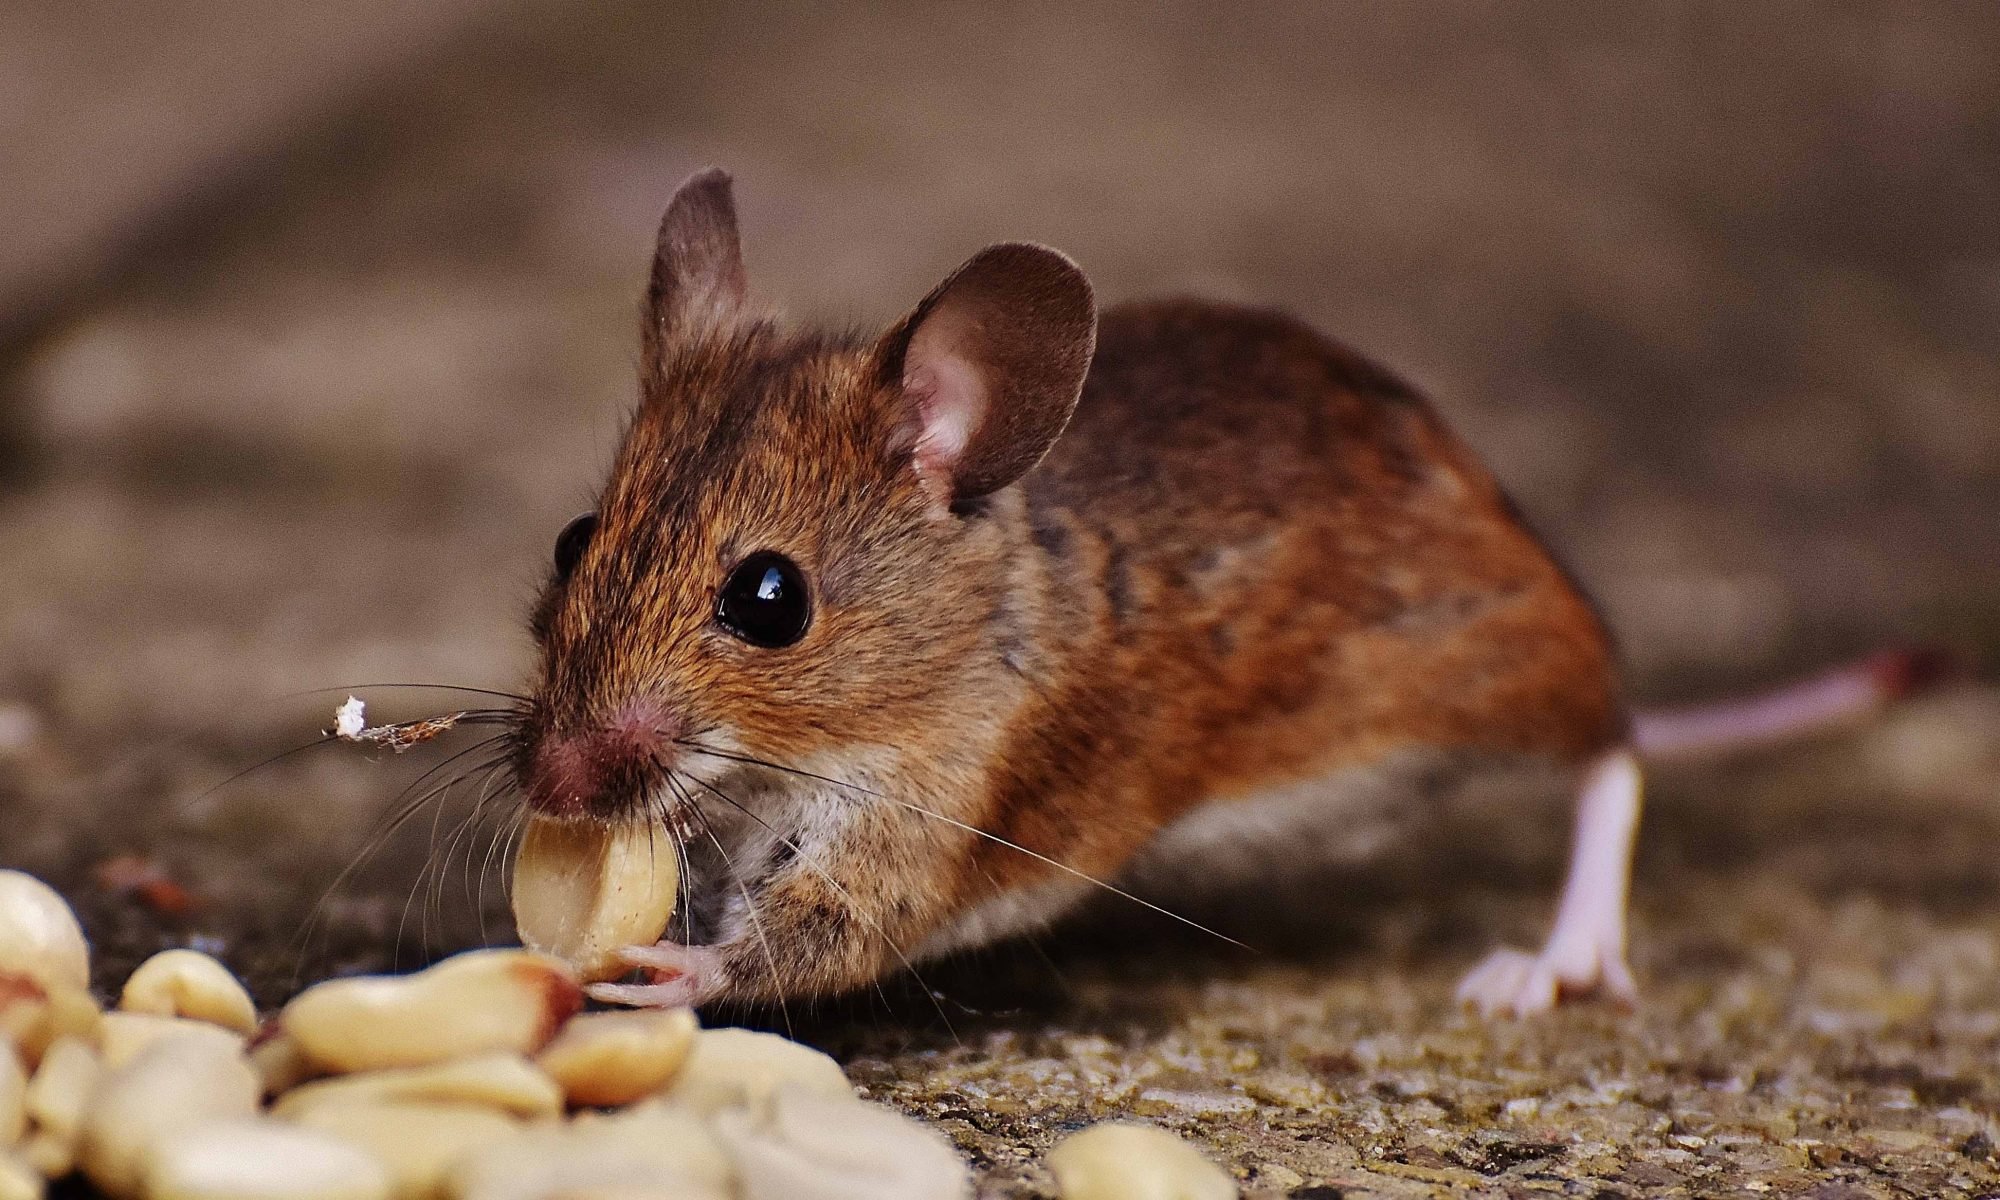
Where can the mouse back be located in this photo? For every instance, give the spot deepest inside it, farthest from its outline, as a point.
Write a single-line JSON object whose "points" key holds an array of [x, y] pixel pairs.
{"points": [[1276, 562]]}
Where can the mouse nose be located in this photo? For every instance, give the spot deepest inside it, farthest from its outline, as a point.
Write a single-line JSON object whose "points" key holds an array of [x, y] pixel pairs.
{"points": [[606, 769]]}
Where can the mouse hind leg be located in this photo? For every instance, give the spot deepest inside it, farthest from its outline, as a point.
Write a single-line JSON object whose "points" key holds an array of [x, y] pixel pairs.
{"points": [[1585, 950]]}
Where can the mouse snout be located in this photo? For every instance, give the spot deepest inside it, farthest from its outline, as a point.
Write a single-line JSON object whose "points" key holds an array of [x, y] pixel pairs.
{"points": [[605, 769]]}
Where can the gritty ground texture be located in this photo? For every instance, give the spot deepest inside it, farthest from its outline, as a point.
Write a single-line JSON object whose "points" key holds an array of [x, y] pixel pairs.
{"points": [[1713, 289]]}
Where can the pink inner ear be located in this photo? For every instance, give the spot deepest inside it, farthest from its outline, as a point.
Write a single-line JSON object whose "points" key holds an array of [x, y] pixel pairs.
{"points": [[950, 394]]}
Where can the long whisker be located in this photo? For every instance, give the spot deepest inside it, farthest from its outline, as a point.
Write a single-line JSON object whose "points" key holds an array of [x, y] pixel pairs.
{"points": [[761, 762], [663, 814], [519, 705], [376, 841], [658, 810], [1033, 938], [431, 860], [421, 885], [975, 830], [477, 716], [435, 899], [514, 815], [682, 864], [853, 905], [433, 771], [480, 800], [749, 904], [424, 875], [424, 687], [467, 835], [996, 839], [187, 806], [396, 821], [656, 814], [516, 825]]}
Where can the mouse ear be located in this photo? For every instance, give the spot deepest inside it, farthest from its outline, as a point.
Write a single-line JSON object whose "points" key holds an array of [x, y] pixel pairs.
{"points": [[698, 280], [990, 366]]}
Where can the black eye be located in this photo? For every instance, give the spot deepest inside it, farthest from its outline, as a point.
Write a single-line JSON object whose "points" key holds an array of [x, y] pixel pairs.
{"points": [[570, 543], [764, 601]]}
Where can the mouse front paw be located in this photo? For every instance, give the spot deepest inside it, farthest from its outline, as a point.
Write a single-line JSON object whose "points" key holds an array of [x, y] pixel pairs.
{"points": [[1516, 982], [677, 977]]}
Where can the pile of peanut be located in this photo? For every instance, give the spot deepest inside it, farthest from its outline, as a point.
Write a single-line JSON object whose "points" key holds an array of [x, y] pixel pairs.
{"points": [[477, 1079]]}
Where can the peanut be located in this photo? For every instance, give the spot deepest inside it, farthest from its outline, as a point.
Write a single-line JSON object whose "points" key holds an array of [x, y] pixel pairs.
{"points": [[122, 1036], [741, 1066], [651, 1190], [62, 1087], [1135, 1162], [18, 1180], [279, 1062], [24, 1010], [484, 1000], [72, 1012], [48, 1154], [450, 1083], [32, 1016], [418, 1143], [653, 1124], [506, 1082], [187, 983], [583, 892], [39, 936], [173, 1086], [257, 1159], [662, 1155], [608, 1059], [13, 1096], [808, 1146]]}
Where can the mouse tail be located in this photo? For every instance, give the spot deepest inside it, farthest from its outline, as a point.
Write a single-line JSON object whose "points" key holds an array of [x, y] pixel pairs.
{"points": [[1834, 699]]}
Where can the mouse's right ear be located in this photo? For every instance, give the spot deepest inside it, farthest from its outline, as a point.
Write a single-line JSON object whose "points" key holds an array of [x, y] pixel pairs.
{"points": [[698, 282], [988, 368]]}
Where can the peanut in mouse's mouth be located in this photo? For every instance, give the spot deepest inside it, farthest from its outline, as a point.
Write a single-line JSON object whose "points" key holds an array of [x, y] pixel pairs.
{"points": [[589, 890], [584, 892]]}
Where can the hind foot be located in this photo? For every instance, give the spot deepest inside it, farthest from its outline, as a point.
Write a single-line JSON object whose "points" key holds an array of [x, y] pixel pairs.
{"points": [[1515, 982], [1585, 954]]}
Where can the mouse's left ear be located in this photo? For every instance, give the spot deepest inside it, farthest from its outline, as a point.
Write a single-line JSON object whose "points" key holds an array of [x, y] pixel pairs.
{"points": [[989, 366], [697, 281]]}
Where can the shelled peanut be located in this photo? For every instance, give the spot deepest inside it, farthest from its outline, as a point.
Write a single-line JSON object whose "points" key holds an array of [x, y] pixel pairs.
{"points": [[39, 937], [473, 1080], [584, 891], [1120, 1161], [476, 1079]]}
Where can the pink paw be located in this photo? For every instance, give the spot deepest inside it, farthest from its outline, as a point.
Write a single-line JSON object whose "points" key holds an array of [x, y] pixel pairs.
{"points": [[680, 977], [1523, 984]]}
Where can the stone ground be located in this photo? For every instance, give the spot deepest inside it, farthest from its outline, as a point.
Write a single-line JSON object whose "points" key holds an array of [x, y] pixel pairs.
{"points": [[1714, 291]]}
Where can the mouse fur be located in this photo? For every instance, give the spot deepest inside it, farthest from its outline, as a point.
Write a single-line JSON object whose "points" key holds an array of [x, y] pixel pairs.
{"points": [[1077, 582]]}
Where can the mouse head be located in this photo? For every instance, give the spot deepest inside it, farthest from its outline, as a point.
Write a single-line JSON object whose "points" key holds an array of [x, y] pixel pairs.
{"points": [[798, 557]]}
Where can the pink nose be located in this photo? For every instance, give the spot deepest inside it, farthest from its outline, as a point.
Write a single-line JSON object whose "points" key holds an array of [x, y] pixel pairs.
{"points": [[603, 770]]}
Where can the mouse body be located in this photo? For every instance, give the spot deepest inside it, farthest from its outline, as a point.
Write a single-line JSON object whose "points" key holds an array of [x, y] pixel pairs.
{"points": [[917, 639]]}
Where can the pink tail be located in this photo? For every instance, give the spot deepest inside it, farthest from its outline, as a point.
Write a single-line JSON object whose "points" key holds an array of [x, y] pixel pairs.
{"points": [[1838, 698]]}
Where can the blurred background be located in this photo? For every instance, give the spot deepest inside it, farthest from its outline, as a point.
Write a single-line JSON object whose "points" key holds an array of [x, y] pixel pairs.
{"points": [[317, 321]]}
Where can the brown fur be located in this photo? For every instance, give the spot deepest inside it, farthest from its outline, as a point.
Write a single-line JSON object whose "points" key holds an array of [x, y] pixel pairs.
{"points": [[1253, 558], [1274, 562]]}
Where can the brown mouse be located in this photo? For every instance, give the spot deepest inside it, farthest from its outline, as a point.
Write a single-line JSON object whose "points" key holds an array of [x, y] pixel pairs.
{"points": [[912, 636]]}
